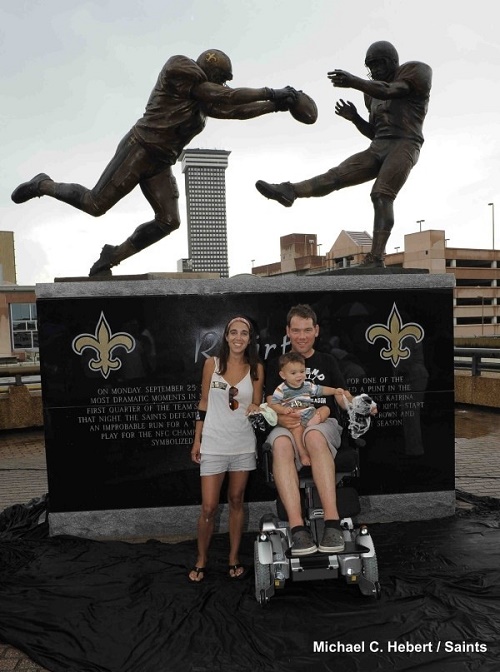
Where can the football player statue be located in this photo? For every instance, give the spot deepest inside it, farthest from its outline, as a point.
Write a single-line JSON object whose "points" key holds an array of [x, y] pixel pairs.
{"points": [[185, 94], [397, 97]]}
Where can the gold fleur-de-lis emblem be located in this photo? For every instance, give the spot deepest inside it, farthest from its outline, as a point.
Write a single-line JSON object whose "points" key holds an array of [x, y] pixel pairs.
{"points": [[395, 332], [103, 342]]}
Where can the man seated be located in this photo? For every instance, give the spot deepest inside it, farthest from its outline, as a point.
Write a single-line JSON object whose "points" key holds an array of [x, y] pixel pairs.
{"points": [[321, 440]]}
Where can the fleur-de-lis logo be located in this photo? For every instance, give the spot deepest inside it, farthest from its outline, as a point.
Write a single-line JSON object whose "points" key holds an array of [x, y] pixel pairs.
{"points": [[395, 332], [103, 343]]}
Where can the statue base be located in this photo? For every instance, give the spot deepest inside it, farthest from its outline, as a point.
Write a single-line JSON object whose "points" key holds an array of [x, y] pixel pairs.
{"points": [[122, 361]]}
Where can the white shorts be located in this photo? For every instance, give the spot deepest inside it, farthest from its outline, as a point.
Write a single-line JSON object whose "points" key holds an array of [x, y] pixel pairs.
{"points": [[219, 464], [330, 429]]}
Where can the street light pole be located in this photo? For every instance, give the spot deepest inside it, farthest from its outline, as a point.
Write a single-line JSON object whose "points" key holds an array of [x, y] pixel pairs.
{"points": [[420, 221], [493, 222]]}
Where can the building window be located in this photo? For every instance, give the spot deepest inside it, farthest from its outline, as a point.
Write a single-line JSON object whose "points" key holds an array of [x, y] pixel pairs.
{"points": [[474, 320], [24, 326]]}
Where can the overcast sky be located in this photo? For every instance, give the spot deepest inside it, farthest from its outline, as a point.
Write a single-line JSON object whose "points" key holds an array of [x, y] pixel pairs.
{"points": [[76, 75]]}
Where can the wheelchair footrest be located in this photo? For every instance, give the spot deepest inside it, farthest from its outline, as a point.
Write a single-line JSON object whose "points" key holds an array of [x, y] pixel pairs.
{"points": [[350, 548]]}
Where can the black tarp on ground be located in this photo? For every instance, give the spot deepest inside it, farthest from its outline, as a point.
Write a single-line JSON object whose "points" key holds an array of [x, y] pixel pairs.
{"points": [[77, 605]]}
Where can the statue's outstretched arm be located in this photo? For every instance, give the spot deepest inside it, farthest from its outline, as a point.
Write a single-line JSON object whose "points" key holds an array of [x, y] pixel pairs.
{"points": [[374, 88]]}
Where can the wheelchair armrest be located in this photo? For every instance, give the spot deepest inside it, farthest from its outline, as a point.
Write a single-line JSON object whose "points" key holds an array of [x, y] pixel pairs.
{"points": [[346, 460]]}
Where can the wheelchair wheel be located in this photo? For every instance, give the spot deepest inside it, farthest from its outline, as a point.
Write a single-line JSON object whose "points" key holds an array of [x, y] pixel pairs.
{"points": [[263, 580]]}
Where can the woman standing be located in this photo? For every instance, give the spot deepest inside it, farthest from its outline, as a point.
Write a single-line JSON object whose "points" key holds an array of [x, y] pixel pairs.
{"points": [[224, 441]]}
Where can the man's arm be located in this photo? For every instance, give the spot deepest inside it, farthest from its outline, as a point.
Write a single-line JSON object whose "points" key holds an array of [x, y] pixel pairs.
{"points": [[374, 88]]}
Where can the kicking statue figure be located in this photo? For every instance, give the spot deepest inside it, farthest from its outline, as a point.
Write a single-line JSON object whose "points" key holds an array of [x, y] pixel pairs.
{"points": [[397, 97], [186, 93]]}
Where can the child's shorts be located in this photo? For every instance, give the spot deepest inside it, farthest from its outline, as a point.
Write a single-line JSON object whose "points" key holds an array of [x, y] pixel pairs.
{"points": [[219, 464]]}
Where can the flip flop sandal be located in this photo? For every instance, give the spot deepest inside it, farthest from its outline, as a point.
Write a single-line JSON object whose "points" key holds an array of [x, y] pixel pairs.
{"points": [[198, 571], [234, 568]]}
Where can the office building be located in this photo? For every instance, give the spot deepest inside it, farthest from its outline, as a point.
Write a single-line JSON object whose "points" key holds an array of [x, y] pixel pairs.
{"points": [[476, 303], [206, 210]]}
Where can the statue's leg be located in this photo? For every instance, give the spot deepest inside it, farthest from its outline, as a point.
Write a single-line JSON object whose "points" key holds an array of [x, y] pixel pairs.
{"points": [[400, 157], [357, 169], [383, 221], [120, 176], [163, 195]]}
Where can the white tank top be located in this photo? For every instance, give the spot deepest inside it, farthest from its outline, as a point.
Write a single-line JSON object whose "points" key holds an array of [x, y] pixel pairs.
{"points": [[227, 432]]}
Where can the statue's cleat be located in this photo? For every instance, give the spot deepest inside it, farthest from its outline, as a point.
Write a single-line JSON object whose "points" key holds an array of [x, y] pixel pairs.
{"points": [[103, 265], [28, 190], [372, 261], [283, 193]]}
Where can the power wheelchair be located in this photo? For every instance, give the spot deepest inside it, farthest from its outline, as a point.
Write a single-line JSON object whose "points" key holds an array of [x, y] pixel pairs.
{"points": [[273, 560]]}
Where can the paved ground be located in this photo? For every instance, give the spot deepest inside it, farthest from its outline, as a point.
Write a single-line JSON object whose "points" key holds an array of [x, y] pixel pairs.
{"points": [[477, 451], [23, 473], [23, 477]]}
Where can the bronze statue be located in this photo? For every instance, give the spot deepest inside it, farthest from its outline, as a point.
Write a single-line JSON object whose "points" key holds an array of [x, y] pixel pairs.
{"points": [[186, 93], [397, 97]]}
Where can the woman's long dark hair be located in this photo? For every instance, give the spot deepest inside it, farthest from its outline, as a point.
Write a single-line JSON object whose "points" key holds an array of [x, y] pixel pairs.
{"points": [[251, 353]]}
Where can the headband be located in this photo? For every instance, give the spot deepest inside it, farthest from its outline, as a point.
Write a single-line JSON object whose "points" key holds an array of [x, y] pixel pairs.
{"points": [[239, 319]]}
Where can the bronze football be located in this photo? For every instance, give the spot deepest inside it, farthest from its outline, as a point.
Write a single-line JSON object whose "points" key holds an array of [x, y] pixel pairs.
{"points": [[304, 109]]}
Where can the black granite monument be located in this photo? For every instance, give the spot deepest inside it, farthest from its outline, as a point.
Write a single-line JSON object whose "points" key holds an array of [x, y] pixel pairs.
{"points": [[121, 366]]}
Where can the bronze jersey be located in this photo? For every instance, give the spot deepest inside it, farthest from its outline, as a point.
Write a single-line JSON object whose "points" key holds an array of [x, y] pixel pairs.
{"points": [[403, 117], [172, 117]]}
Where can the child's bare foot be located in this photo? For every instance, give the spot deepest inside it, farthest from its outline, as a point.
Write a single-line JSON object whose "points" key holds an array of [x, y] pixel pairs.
{"points": [[315, 420], [305, 460]]}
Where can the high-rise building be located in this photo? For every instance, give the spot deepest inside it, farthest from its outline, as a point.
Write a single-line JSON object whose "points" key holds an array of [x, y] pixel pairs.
{"points": [[206, 209]]}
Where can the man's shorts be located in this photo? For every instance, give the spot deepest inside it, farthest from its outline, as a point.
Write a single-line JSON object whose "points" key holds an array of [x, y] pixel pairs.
{"points": [[330, 429], [219, 464]]}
